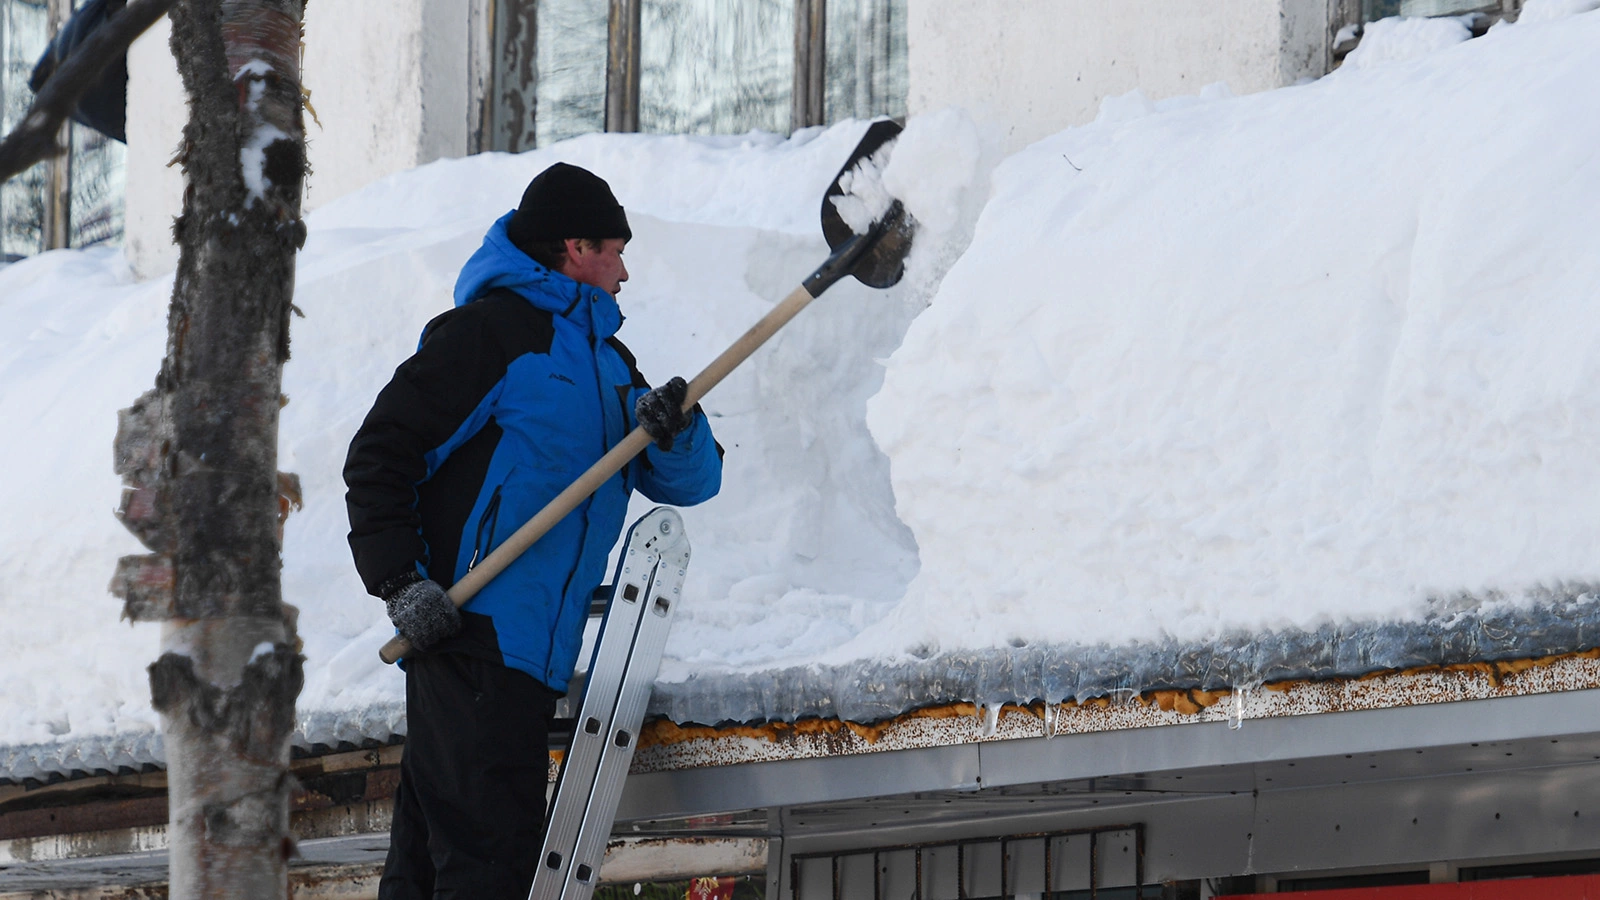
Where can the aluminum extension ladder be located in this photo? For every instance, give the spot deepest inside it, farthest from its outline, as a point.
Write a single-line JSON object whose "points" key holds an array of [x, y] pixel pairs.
{"points": [[627, 655]]}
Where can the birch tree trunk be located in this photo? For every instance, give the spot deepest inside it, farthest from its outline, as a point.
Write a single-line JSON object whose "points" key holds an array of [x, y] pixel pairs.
{"points": [[199, 457]]}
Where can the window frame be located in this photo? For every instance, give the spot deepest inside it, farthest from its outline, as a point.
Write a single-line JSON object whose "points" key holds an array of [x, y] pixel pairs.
{"points": [[807, 103], [500, 18]]}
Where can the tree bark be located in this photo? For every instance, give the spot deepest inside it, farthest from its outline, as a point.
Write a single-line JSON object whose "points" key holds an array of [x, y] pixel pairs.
{"points": [[199, 456]]}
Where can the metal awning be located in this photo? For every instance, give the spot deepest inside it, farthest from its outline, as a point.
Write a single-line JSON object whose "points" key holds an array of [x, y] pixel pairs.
{"points": [[1482, 779]]}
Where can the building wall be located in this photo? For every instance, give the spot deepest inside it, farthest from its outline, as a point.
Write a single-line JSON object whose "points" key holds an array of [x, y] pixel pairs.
{"points": [[389, 83], [1037, 66], [391, 80], [156, 115]]}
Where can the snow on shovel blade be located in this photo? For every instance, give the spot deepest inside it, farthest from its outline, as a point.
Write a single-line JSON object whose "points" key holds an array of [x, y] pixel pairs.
{"points": [[857, 203]]}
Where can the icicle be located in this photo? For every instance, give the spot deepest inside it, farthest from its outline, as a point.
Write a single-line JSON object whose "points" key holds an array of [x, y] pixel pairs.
{"points": [[1049, 720], [990, 713], [1241, 696]]}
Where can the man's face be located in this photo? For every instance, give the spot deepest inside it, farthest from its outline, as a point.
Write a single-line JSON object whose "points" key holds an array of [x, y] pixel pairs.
{"points": [[597, 266]]}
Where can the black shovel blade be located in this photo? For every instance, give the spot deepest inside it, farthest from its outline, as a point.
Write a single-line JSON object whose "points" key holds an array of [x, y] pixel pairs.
{"points": [[885, 261]]}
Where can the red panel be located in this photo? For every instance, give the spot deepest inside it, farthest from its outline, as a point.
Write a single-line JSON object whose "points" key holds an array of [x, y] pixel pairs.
{"points": [[1569, 887]]}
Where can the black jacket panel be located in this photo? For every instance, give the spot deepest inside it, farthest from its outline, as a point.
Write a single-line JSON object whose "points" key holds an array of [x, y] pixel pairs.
{"points": [[467, 348]]}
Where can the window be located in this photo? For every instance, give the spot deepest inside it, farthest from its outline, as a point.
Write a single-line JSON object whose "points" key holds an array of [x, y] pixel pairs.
{"points": [[866, 53], [73, 200], [571, 59], [24, 31], [1383, 9], [562, 68], [715, 66], [95, 205], [1107, 863], [1349, 17]]}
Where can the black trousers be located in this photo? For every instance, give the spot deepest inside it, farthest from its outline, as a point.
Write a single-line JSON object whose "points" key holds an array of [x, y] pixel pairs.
{"points": [[469, 812]]}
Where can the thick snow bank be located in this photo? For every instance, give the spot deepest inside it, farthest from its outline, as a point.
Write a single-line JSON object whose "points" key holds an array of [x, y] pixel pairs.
{"points": [[1399, 39], [1328, 353], [81, 341]]}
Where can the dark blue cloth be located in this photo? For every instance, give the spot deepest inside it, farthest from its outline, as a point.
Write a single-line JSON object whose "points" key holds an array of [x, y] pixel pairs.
{"points": [[104, 106], [560, 412]]}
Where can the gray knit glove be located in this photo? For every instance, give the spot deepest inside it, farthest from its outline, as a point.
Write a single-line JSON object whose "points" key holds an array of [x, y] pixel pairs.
{"points": [[660, 412], [422, 612]]}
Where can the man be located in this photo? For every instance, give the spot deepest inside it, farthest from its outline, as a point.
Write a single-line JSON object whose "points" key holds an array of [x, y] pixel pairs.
{"points": [[509, 397]]}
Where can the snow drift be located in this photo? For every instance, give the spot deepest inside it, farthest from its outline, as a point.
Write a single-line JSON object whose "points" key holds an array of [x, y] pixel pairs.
{"points": [[1326, 353]]}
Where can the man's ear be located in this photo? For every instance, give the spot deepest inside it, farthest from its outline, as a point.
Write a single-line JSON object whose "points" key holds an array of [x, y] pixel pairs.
{"points": [[574, 246]]}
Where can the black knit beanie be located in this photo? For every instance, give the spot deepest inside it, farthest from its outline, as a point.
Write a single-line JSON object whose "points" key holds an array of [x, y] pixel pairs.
{"points": [[567, 202]]}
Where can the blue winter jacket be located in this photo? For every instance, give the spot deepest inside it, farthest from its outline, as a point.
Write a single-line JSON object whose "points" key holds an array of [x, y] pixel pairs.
{"points": [[509, 398]]}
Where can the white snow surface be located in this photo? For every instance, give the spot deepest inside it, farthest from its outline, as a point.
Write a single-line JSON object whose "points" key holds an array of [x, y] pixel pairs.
{"points": [[1547, 10], [865, 199], [1317, 354], [1401, 38], [1314, 354]]}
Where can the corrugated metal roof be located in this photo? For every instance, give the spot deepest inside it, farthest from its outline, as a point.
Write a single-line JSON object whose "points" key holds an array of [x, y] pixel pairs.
{"points": [[118, 754], [318, 732]]}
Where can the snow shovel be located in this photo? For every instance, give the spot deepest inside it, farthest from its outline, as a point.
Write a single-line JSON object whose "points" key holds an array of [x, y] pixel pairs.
{"points": [[876, 258]]}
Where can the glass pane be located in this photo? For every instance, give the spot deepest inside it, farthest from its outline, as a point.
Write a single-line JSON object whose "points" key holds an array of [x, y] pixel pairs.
{"points": [[866, 44], [571, 69], [1373, 10], [1444, 7], [97, 167], [716, 66], [24, 32]]}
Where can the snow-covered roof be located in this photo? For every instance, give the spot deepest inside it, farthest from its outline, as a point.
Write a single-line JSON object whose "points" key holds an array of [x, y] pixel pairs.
{"points": [[1214, 387], [1563, 622], [142, 750], [1415, 661]]}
